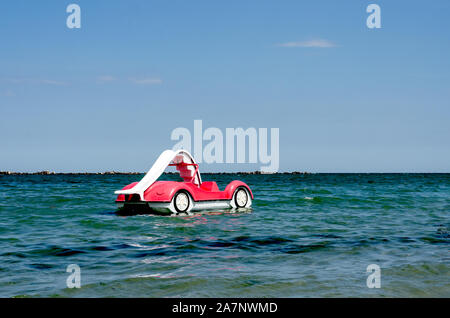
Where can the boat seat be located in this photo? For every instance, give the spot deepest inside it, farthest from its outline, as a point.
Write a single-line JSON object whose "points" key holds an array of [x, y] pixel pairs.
{"points": [[209, 186], [186, 172]]}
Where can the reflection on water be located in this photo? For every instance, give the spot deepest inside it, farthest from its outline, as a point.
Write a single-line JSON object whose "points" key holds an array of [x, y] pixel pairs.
{"points": [[143, 210]]}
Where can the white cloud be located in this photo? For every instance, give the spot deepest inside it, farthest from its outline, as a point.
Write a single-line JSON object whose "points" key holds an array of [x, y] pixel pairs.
{"points": [[146, 81], [33, 81], [318, 43], [51, 82], [106, 78]]}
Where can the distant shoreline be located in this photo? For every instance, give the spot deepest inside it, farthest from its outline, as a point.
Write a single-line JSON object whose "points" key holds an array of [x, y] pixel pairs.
{"points": [[50, 173], [111, 173]]}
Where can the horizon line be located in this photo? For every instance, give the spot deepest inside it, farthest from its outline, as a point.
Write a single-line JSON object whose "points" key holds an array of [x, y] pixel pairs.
{"points": [[255, 172]]}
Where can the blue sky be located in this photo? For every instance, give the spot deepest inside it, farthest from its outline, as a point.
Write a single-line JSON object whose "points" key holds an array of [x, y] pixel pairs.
{"points": [[107, 96]]}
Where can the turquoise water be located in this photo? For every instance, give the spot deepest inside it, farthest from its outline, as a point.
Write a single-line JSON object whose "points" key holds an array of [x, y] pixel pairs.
{"points": [[306, 236]]}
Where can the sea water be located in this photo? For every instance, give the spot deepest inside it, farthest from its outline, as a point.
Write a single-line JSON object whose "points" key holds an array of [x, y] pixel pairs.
{"points": [[306, 236]]}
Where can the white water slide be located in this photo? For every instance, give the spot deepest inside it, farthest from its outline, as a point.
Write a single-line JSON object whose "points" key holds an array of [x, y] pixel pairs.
{"points": [[166, 158]]}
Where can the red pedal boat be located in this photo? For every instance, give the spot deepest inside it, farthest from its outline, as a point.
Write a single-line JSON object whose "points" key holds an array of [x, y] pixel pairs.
{"points": [[191, 194]]}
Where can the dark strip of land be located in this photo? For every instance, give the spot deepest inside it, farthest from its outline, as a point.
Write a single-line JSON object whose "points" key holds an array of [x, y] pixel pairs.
{"points": [[47, 173]]}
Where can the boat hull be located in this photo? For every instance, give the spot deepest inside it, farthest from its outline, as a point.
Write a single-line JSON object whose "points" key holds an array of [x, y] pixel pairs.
{"points": [[167, 207]]}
